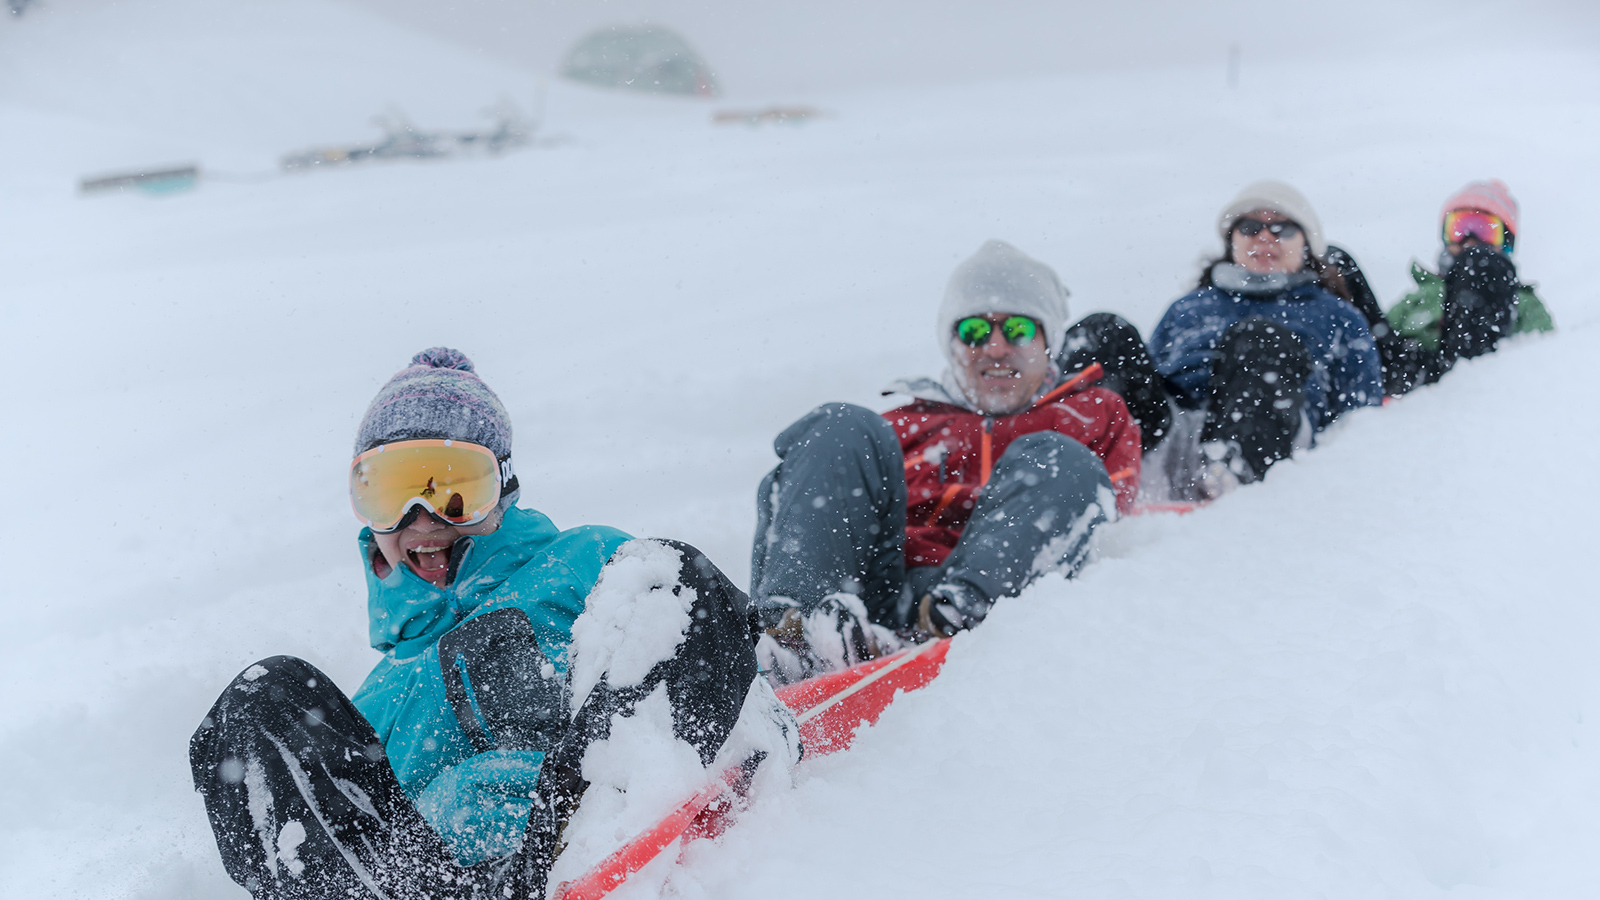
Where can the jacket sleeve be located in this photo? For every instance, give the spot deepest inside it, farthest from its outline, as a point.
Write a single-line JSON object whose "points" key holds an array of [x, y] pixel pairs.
{"points": [[1183, 344], [1417, 314], [1357, 377], [1531, 314], [480, 805]]}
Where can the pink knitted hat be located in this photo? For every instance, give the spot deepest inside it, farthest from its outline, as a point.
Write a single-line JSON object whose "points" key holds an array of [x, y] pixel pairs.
{"points": [[1490, 196]]}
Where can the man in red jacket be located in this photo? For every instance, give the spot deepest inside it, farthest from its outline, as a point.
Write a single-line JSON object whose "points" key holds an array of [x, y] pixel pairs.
{"points": [[875, 530]]}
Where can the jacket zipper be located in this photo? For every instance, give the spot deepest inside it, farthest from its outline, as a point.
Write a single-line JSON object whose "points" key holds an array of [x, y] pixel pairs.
{"points": [[984, 451]]}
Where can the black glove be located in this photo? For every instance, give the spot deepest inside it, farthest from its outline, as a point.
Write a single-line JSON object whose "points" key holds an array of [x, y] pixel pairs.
{"points": [[1480, 303]]}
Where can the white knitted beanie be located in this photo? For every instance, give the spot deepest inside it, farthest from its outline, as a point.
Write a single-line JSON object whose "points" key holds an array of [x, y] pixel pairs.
{"points": [[1282, 199], [999, 278]]}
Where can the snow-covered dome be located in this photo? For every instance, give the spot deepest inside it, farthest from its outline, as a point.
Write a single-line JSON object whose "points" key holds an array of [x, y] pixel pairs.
{"points": [[645, 58]]}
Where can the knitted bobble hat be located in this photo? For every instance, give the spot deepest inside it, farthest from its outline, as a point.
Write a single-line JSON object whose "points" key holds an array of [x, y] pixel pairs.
{"points": [[1282, 199], [439, 395], [999, 278], [1490, 196]]}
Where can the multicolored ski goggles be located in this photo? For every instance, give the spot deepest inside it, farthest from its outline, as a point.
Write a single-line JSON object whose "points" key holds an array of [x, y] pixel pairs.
{"points": [[457, 482], [1461, 224], [974, 331]]}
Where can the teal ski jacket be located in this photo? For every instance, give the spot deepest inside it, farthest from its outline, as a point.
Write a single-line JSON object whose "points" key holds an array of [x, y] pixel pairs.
{"points": [[476, 796]]}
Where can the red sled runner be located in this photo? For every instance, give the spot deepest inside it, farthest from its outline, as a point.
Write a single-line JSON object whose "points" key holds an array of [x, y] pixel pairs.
{"points": [[829, 709]]}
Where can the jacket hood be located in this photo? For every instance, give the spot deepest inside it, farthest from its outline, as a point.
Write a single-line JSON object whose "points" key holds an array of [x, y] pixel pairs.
{"points": [[947, 389], [406, 615], [934, 390]]}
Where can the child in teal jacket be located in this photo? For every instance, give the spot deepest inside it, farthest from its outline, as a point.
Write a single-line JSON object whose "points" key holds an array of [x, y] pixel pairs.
{"points": [[478, 800], [510, 650]]}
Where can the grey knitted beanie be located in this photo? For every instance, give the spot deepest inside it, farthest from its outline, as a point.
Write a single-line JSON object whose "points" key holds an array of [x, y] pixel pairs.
{"points": [[999, 278], [438, 396]]}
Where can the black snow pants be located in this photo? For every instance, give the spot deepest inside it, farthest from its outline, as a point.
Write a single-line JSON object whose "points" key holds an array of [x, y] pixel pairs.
{"points": [[305, 805], [1113, 342], [1402, 359], [832, 518]]}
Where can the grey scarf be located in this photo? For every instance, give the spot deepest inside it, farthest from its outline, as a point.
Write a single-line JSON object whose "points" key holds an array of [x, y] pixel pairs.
{"points": [[1236, 279]]}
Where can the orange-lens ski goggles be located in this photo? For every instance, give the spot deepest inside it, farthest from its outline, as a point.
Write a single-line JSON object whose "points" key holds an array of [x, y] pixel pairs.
{"points": [[458, 482]]}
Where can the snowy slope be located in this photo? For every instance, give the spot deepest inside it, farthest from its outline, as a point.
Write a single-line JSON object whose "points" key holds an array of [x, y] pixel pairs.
{"points": [[1367, 677], [1372, 677]]}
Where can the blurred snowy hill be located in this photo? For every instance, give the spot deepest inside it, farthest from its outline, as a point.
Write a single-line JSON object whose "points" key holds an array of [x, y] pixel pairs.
{"points": [[787, 46]]}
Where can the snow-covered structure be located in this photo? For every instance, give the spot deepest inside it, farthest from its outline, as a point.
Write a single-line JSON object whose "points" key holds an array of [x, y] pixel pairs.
{"points": [[646, 58]]}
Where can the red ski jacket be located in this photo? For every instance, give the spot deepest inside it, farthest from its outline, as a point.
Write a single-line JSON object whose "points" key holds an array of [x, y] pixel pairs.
{"points": [[950, 450]]}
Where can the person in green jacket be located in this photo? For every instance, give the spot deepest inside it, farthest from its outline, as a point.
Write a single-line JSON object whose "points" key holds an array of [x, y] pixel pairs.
{"points": [[1476, 287], [511, 650]]}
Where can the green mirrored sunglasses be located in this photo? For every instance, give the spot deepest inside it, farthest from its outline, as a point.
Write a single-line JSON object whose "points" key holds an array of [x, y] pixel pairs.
{"points": [[974, 331]]}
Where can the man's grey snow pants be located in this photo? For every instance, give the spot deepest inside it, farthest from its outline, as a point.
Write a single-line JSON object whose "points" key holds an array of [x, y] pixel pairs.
{"points": [[832, 517]]}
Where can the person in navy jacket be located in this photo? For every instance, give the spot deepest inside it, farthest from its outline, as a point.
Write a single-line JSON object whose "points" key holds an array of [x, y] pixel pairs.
{"points": [[1265, 352]]}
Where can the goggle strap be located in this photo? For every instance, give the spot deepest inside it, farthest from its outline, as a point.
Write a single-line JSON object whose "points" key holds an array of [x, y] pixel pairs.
{"points": [[417, 506]]}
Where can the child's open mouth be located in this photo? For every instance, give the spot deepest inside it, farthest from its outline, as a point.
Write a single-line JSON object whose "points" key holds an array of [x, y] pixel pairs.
{"points": [[430, 560]]}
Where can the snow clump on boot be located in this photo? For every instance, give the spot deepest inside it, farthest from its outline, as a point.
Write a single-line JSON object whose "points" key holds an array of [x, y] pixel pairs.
{"points": [[635, 617]]}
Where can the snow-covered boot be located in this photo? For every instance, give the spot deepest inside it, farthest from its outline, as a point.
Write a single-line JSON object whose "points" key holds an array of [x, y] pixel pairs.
{"points": [[1257, 396], [1222, 469], [836, 635], [663, 685]]}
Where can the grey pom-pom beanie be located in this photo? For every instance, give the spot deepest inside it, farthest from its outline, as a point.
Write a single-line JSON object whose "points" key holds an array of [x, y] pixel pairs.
{"points": [[439, 395], [999, 278], [1282, 199]]}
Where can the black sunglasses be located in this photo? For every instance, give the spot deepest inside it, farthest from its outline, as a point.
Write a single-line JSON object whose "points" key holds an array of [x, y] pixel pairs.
{"points": [[1253, 227]]}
